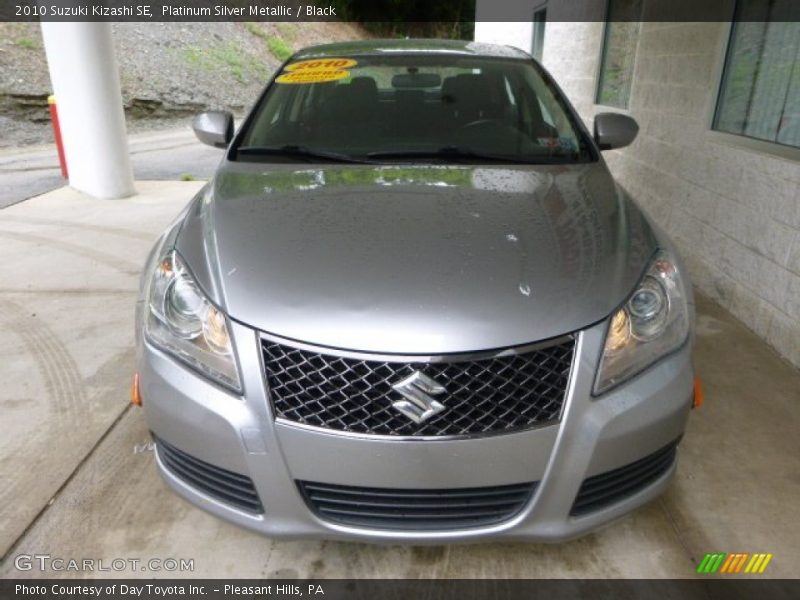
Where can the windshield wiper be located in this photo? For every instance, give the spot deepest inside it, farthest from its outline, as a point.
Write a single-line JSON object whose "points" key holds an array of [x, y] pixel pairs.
{"points": [[456, 152], [293, 151]]}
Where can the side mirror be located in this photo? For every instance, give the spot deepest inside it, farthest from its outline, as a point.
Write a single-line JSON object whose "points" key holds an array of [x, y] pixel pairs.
{"points": [[613, 130], [214, 127]]}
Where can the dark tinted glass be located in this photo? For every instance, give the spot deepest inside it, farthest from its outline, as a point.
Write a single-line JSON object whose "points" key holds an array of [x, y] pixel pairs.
{"points": [[416, 104]]}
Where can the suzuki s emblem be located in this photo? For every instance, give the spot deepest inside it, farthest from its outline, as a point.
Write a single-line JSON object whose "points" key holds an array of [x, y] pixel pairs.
{"points": [[418, 390]]}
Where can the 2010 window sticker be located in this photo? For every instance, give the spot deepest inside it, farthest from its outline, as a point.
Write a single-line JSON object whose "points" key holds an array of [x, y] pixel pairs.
{"points": [[316, 70]]}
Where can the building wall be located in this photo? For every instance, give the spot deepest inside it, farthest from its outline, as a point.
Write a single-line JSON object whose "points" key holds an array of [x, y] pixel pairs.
{"points": [[734, 212], [518, 33]]}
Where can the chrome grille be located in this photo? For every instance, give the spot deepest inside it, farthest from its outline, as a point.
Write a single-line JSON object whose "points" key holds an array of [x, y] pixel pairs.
{"points": [[415, 510], [486, 394]]}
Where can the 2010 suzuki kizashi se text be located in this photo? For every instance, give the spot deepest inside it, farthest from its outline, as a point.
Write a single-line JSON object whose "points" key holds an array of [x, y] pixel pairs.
{"points": [[413, 305]]}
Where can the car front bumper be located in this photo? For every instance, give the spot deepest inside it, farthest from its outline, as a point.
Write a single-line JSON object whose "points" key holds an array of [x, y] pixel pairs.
{"points": [[595, 435]]}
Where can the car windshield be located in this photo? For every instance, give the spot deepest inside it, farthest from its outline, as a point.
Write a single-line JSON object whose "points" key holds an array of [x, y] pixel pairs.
{"points": [[421, 108]]}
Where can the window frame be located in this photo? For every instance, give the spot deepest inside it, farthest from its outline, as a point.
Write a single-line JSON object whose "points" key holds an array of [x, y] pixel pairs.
{"points": [[599, 71], [538, 9], [742, 142]]}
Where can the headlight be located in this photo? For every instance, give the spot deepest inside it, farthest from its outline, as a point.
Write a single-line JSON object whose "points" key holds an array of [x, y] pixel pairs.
{"points": [[181, 321], [653, 323]]}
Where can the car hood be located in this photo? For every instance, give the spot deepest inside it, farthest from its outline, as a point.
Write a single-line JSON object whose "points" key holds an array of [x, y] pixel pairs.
{"points": [[416, 259]]}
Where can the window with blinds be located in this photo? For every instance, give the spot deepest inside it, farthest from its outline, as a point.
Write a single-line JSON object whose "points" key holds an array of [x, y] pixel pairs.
{"points": [[760, 91], [619, 52]]}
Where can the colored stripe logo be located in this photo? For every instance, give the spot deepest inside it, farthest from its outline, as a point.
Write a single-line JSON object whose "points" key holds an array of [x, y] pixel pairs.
{"points": [[736, 562]]}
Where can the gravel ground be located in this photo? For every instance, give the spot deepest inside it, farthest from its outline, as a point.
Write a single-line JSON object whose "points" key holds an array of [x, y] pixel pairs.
{"points": [[168, 71]]}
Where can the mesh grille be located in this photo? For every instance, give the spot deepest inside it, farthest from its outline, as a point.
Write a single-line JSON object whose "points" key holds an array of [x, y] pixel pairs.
{"points": [[487, 395], [415, 510]]}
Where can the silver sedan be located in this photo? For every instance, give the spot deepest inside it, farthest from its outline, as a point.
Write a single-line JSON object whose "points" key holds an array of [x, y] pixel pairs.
{"points": [[413, 305]]}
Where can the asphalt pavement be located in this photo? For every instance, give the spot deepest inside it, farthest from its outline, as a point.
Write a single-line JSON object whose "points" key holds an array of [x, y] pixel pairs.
{"points": [[172, 154]]}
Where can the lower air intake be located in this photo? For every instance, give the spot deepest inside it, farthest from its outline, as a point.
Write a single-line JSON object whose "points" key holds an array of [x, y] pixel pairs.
{"points": [[608, 488], [416, 510], [221, 484]]}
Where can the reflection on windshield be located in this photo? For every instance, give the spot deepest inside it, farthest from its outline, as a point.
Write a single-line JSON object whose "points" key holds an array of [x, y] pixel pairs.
{"points": [[279, 180], [490, 178], [416, 108], [311, 179]]}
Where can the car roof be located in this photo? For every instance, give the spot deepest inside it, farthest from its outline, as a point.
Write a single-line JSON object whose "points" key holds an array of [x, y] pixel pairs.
{"points": [[410, 46]]}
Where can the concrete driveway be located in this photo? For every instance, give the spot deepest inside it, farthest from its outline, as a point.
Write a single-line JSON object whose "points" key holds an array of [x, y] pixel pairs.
{"points": [[77, 478]]}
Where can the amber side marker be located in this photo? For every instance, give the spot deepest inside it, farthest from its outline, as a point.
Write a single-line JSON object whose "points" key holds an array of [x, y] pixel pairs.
{"points": [[136, 396], [698, 394]]}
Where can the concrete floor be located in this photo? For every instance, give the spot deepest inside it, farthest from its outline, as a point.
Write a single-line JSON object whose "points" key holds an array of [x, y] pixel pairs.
{"points": [[76, 479]]}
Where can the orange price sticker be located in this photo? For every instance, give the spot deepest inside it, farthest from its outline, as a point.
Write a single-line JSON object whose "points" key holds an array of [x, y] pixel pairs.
{"points": [[317, 70], [311, 76], [322, 64]]}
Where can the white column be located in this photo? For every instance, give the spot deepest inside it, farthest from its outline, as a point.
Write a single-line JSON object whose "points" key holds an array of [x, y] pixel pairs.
{"points": [[85, 79]]}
